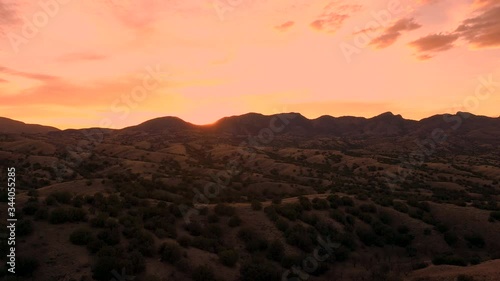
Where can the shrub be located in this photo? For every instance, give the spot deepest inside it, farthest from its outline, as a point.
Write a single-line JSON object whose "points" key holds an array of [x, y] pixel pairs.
{"points": [[228, 257], [276, 250], [495, 216], [347, 201], [259, 271], [98, 221], [183, 265], [256, 205], [95, 245], [368, 208], [450, 237], [320, 204], [475, 240], [449, 260], [26, 266], [63, 197], [282, 224], [194, 229], [31, 208], [305, 203], [24, 227], [67, 214], [234, 221], [80, 236], [170, 252], [102, 268], [213, 218], [203, 273], [224, 210], [184, 241], [110, 237], [463, 277]]}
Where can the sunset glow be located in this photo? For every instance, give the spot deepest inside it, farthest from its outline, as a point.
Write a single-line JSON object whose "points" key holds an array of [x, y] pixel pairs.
{"points": [[75, 64]]}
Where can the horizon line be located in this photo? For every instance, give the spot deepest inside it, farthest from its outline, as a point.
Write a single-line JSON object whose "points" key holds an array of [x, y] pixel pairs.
{"points": [[251, 112]]}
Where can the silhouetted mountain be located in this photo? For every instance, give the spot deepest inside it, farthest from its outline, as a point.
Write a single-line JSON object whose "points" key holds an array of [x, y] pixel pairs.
{"points": [[162, 124], [16, 127], [465, 125]]}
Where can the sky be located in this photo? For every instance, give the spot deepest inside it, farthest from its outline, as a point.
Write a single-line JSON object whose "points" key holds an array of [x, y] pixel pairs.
{"points": [[117, 63]]}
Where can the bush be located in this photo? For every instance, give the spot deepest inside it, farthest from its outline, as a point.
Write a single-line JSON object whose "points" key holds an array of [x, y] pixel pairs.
{"points": [[320, 204], [234, 221], [282, 224], [24, 227], [475, 240], [67, 214], [213, 218], [63, 197], [103, 267], [170, 252], [256, 205], [450, 238], [31, 208], [276, 251], [449, 260], [259, 271], [224, 210], [110, 237], [305, 203], [463, 277], [184, 241], [203, 273], [495, 216], [228, 257], [80, 236], [26, 266], [368, 208]]}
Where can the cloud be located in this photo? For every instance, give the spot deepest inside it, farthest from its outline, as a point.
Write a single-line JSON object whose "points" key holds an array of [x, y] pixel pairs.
{"points": [[8, 14], [333, 17], [35, 76], [433, 43], [481, 4], [77, 57], [426, 2], [285, 26], [482, 31], [3, 80], [392, 33]]}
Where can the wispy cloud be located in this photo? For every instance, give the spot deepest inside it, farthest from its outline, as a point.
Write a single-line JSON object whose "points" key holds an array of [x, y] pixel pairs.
{"points": [[482, 31], [284, 26], [333, 16], [392, 33], [433, 43], [36, 76], [83, 56]]}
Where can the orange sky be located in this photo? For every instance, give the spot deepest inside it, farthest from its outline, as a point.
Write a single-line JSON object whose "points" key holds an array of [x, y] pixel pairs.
{"points": [[110, 63]]}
